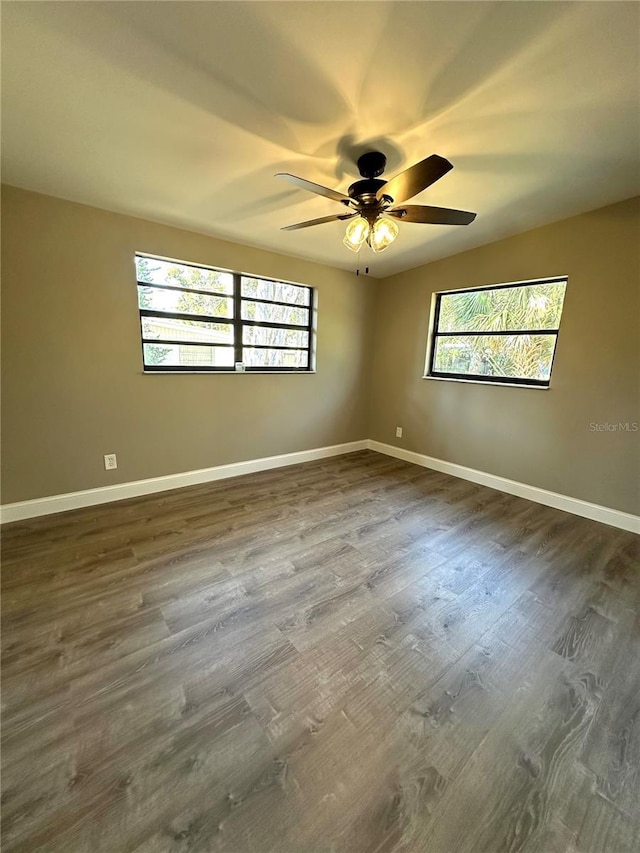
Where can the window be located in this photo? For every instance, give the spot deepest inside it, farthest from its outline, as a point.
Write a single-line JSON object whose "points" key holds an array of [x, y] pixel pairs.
{"points": [[506, 333], [195, 318]]}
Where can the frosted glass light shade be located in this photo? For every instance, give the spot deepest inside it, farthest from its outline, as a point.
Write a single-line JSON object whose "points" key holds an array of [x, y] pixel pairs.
{"points": [[383, 233], [356, 233]]}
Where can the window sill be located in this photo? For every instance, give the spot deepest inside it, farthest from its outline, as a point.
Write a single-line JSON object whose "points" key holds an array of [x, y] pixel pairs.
{"points": [[496, 384], [228, 372]]}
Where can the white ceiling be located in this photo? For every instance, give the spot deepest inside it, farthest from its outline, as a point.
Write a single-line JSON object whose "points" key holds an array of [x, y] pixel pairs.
{"points": [[183, 112]]}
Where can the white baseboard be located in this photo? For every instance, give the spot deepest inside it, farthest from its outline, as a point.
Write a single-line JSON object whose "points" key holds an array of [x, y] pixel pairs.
{"points": [[91, 497], [595, 512], [121, 491]]}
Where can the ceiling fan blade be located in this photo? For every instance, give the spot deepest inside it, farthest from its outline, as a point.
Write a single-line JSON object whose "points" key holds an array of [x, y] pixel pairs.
{"points": [[320, 221], [415, 179], [303, 184], [432, 215]]}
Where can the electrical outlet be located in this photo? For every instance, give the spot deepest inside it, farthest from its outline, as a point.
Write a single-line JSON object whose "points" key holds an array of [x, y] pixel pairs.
{"points": [[110, 461], [398, 432]]}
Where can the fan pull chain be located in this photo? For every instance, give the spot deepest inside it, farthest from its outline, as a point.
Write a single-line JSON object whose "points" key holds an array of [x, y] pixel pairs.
{"points": [[366, 269]]}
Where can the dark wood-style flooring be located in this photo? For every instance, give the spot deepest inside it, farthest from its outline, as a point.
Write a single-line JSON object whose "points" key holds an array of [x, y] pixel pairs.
{"points": [[356, 655]]}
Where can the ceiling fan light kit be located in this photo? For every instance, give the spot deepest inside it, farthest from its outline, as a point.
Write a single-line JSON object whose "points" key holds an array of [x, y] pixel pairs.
{"points": [[379, 234], [382, 234], [356, 233], [373, 201]]}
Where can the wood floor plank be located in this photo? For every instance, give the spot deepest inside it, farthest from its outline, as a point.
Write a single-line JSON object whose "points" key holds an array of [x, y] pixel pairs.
{"points": [[607, 830], [355, 655], [514, 782], [612, 747], [450, 720]]}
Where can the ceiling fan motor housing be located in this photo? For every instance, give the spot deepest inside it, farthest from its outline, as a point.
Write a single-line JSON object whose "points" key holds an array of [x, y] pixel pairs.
{"points": [[372, 164], [365, 190]]}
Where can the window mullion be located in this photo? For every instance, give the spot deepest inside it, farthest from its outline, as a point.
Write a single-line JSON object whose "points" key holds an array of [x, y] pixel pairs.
{"points": [[237, 319], [310, 328], [436, 323], [495, 333]]}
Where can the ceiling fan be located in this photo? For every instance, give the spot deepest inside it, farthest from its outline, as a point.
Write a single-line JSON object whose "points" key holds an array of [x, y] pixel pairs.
{"points": [[375, 204]]}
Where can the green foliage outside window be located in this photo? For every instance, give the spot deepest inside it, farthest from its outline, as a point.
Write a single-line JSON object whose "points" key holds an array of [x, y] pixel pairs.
{"points": [[202, 317], [526, 308]]}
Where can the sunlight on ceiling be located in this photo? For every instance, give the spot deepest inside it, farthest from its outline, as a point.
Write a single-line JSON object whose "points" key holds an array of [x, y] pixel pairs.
{"points": [[183, 112]]}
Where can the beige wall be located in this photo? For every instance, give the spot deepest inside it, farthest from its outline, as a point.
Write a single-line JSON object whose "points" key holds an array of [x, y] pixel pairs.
{"points": [[72, 381], [538, 437], [73, 387]]}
